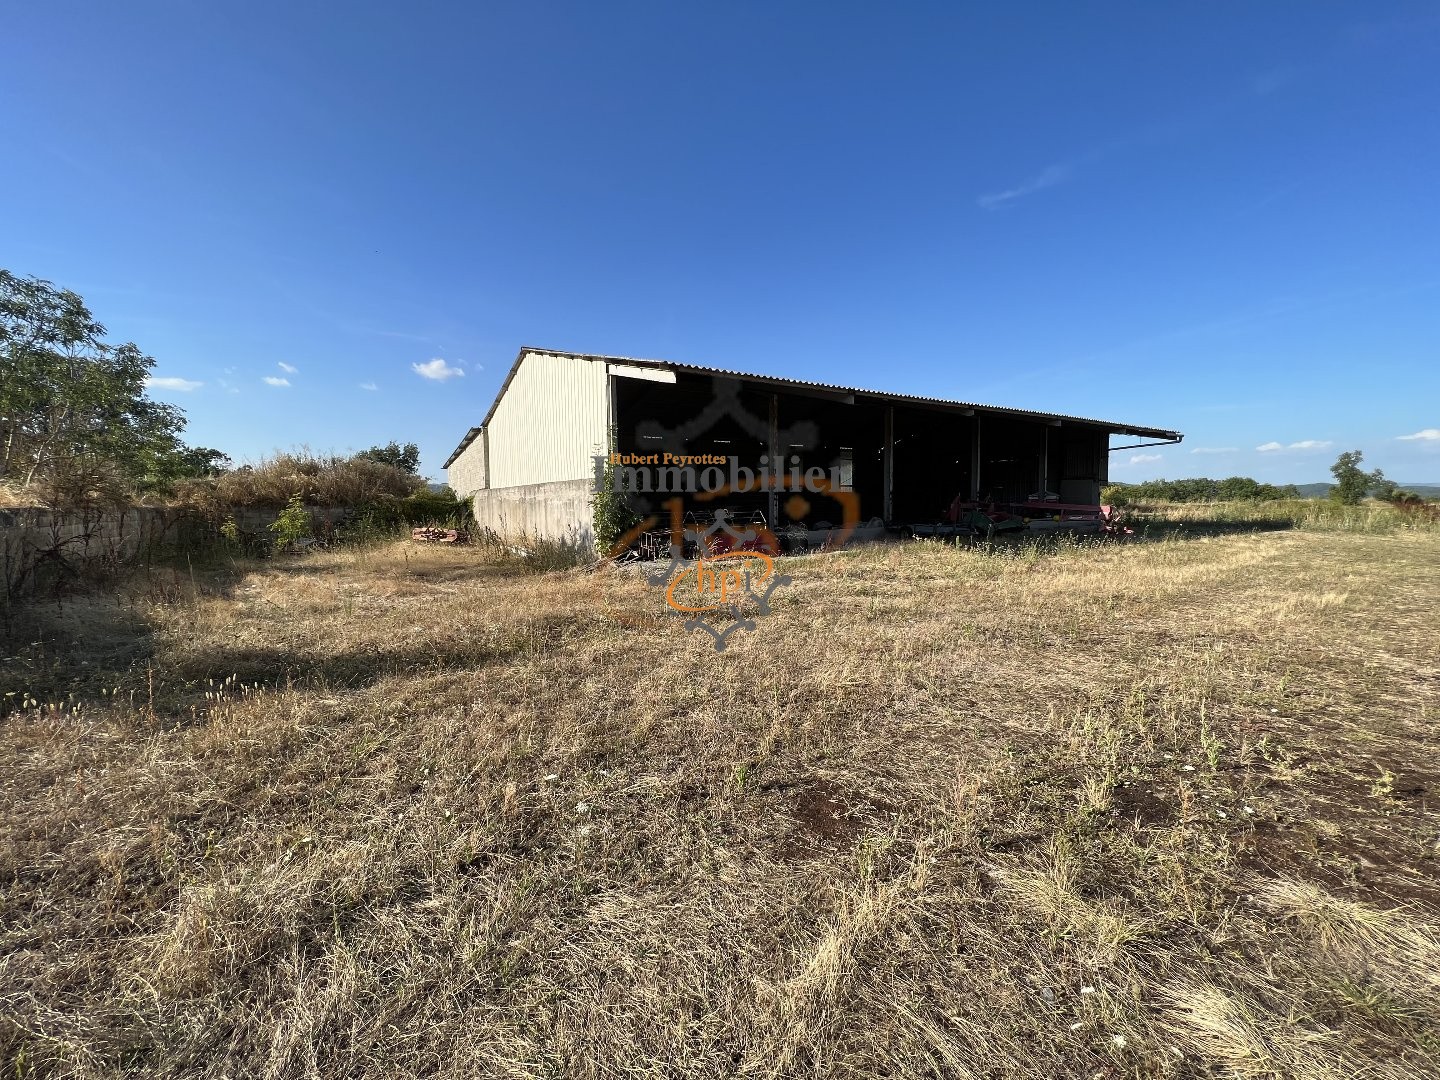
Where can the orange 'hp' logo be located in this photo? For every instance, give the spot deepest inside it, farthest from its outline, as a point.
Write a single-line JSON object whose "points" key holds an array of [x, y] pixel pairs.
{"points": [[718, 581]]}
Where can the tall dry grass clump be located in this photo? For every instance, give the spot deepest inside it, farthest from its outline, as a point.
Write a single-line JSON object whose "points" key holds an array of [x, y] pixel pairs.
{"points": [[319, 480], [1372, 516]]}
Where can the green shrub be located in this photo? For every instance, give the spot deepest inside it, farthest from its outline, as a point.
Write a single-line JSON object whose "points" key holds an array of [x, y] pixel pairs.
{"points": [[424, 507], [611, 516], [430, 507], [292, 525]]}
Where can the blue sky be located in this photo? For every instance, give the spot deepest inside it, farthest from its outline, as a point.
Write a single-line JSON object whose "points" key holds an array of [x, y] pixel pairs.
{"points": [[1219, 218]]}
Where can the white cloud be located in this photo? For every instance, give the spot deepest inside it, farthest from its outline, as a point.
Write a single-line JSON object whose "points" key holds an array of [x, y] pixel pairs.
{"points": [[289, 369], [438, 370], [1055, 174], [275, 380], [1216, 450], [1430, 434], [1304, 444], [368, 386], [170, 382], [1144, 459]]}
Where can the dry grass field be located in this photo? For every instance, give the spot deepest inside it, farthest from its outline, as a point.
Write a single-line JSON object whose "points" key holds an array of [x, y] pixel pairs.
{"points": [[1144, 810]]}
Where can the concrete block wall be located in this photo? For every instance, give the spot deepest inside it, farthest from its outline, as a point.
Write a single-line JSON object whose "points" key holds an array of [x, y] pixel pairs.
{"points": [[559, 510]]}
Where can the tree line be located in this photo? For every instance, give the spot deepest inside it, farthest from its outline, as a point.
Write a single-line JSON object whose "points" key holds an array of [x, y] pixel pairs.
{"points": [[1198, 489], [1352, 486]]}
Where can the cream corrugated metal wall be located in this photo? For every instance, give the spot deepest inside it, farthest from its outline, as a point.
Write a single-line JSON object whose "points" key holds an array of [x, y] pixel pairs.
{"points": [[550, 423]]}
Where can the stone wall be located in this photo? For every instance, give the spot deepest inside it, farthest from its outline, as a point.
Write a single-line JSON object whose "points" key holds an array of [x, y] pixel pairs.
{"points": [[38, 546]]}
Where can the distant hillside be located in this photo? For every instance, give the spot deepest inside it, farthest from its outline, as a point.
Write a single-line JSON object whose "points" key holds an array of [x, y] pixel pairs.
{"points": [[1321, 491]]}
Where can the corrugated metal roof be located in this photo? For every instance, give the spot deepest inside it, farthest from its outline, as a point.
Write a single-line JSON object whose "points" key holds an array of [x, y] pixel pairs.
{"points": [[801, 384]]}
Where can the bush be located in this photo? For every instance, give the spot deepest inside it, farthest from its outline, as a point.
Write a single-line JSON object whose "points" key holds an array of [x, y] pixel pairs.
{"points": [[230, 532], [423, 507], [292, 525], [430, 507]]}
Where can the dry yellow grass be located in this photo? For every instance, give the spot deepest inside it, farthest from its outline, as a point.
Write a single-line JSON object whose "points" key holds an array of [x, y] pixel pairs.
{"points": [[1151, 810]]}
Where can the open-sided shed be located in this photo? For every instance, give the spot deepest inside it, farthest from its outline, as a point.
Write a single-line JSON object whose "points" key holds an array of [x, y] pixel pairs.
{"points": [[533, 463]]}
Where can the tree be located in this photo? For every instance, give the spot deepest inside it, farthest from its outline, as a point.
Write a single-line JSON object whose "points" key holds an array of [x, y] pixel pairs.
{"points": [[188, 463], [1352, 483], [405, 458], [202, 461], [75, 423]]}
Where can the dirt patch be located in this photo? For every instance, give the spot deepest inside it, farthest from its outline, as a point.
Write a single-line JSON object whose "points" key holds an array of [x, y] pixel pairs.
{"points": [[1146, 804], [1357, 838], [826, 816]]}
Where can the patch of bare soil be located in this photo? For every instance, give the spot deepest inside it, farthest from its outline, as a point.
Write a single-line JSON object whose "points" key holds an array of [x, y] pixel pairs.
{"points": [[1362, 839], [826, 816]]}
